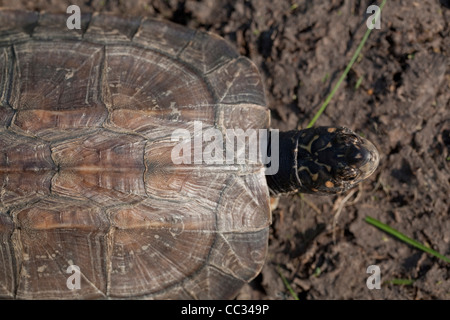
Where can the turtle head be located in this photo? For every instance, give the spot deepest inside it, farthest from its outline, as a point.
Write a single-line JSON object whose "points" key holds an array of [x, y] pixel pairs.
{"points": [[322, 160]]}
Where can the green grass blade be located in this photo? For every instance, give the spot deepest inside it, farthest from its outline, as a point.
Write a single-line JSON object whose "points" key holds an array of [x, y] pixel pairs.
{"points": [[358, 83], [400, 282], [347, 69], [286, 283], [404, 238]]}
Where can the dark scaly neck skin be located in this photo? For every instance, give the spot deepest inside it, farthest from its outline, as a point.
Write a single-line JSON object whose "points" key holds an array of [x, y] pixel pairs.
{"points": [[322, 160]]}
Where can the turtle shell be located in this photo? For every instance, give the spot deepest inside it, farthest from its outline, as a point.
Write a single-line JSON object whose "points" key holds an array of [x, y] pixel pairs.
{"points": [[86, 173]]}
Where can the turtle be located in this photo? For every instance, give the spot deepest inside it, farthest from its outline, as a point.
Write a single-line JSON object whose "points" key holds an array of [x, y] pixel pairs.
{"points": [[104, 190]]}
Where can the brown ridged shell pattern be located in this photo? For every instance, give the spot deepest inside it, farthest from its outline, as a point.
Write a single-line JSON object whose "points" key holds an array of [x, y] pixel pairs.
{"points": [[86, 176]]}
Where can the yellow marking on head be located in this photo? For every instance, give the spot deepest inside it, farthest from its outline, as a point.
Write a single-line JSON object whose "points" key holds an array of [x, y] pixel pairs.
{"points": [[331, 130], [308, 147], [329, 184], [314, 190], [314, 176], [326, 147]]}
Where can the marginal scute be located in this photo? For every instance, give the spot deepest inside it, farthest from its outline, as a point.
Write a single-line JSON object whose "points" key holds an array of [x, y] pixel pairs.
{"points": [[52, 26], [246, 201], [237, 82], [6, 112], [7, 260], [230, 117], [240, 254], [212, 283], [107, 28], [162, 36], [207, 52], [16, 25]]}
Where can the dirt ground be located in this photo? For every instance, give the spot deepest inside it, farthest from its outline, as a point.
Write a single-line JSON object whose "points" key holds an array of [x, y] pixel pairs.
{"points": [[397, 95]]}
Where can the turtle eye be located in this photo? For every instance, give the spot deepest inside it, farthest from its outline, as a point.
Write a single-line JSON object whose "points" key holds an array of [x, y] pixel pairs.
{"points": [[352, 140], [348, 174]]}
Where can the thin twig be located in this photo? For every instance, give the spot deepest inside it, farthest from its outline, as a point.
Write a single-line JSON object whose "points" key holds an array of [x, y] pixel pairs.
{"points": [[310, 203], [338, 212]]}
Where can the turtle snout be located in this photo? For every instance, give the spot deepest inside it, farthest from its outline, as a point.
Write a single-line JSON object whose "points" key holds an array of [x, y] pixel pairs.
{"points": [[357, 158], [362, 157], [369, 158]]}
